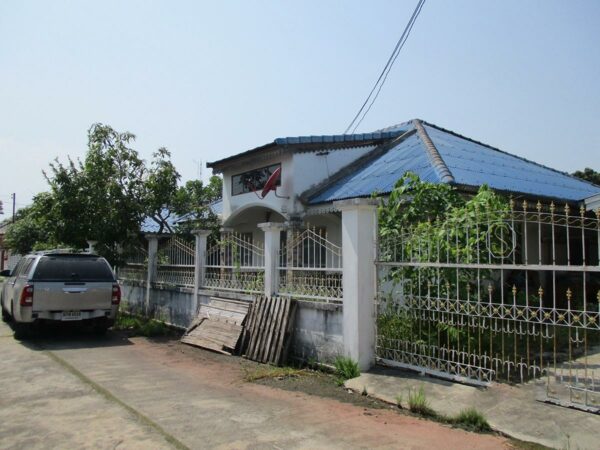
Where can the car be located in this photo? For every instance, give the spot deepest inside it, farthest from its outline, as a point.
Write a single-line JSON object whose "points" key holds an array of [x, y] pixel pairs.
{"points": [[58, 287]]}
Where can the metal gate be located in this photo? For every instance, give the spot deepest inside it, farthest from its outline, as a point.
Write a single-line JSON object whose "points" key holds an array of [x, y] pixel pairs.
{"points": [[510, 295]]}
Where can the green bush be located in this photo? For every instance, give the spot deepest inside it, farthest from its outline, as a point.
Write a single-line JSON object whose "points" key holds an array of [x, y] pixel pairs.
{"points": [[418, 403], [140, 326], [346, 368], [471, 419]]}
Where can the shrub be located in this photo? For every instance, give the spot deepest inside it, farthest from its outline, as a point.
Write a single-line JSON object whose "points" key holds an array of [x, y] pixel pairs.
{"points": [[471, 419], [418, 403], [345, 368]]}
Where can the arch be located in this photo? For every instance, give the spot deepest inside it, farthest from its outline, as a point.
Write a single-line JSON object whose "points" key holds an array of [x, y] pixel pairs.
{"points": [[253, 209]]}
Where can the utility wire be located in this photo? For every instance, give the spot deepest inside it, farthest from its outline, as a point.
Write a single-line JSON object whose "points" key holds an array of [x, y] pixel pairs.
{"points": [[386, 70]]}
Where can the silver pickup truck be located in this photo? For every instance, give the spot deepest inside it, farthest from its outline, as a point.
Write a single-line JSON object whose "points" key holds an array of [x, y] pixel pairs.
{"points": [[56, 286]]}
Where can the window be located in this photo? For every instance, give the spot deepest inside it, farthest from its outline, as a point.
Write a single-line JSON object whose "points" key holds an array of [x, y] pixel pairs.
{"points": [[24, 272], [253, 180], [72, 268]]}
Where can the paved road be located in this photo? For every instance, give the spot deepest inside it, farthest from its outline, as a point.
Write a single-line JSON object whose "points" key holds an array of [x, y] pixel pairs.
{"points": [[77, 391]]}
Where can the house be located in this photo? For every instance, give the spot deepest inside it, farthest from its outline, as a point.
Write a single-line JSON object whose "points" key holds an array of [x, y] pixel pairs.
{"points": [[316, 171]]}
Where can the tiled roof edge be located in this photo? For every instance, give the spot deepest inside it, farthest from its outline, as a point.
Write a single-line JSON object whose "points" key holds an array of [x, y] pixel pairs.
{"points": [[436, 159]]}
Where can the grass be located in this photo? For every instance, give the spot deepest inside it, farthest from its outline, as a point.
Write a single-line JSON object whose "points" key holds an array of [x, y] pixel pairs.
{"points": [[140, 326], [471, 419], [345, 368], [262, 372], [418, 403]]}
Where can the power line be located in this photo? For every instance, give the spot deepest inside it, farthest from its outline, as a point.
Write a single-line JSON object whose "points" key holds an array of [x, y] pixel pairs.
{"points": [[386, 70]]}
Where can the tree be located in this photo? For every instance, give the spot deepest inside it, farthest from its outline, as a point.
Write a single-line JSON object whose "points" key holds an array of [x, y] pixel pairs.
{"points": [[103, 198], [588, 174], [193, 201]]}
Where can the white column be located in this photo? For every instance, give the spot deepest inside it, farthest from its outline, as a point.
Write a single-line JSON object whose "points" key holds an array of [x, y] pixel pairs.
{"points": [[199, 263], [272, 232], [359, 236], [152, 261]]}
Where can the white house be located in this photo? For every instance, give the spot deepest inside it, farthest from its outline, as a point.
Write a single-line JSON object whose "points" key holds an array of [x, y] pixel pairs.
{"points": [[316, 171]]}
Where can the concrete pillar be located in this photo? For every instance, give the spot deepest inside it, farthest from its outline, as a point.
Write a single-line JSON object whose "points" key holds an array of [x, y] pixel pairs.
{"points": [[152, 264], [359, 237], [272, 232], [199, 263], [91, 245]]}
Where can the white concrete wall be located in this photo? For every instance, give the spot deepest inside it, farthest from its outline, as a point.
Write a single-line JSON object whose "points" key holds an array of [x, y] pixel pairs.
{"points": [[299, 172]]}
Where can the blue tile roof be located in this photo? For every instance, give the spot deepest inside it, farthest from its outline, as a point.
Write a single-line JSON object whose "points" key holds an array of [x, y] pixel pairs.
{"points": [[469, 162], [149, 225], [358, 139]]}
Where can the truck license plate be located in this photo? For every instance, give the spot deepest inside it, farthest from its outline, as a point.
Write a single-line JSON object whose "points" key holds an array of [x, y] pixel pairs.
{"points": [[71, 315]]}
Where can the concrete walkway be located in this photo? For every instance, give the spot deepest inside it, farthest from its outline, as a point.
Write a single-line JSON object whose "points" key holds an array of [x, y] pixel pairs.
{"points": [[113, 392], [508, 409]]}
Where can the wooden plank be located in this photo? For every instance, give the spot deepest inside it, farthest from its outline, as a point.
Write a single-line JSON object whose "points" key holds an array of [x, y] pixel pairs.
{"points": [[262, 329], [255, 333], [264, 356], [218, 326], [281, 331], [246, 329], [277, 331], [288, 333], [265, 336], [276, 327]]}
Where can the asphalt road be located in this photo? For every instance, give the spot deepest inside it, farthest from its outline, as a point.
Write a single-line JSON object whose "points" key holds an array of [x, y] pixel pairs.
{"points": [[71, 390]]}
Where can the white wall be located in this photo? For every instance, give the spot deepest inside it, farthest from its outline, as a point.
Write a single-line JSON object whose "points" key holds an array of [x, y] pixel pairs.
{"points": [[299, 172]]}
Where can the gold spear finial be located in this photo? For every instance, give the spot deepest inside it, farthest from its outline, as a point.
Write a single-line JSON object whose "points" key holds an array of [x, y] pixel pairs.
{"points": [[514, 290], [569, 294]]}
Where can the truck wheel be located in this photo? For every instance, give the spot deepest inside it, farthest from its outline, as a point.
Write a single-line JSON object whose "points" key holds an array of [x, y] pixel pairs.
{"points": [[100, 327], [22, 330]]}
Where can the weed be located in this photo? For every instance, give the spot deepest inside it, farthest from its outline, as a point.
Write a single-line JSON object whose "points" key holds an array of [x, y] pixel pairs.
{"points": [[272, 372], [471, 419], [140, 326], [345, 368], [399, 400], [418, 403]]}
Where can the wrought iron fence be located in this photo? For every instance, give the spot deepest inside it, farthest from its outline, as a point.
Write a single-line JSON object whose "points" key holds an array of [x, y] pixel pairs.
{"points": [[508, 295], [310, 266], [136, 266], [176, 261], [235, 263]]}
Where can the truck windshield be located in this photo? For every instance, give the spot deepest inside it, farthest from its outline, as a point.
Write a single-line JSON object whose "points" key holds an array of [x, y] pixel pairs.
{"points": [[72, 268]]}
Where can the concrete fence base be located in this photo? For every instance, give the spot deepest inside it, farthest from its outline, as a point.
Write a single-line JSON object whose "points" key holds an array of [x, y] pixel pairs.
{"points": [[318, 331]]}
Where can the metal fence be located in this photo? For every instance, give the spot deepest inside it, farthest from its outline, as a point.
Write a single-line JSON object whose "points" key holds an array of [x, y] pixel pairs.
{"points": [[310, 266], [508, 295], [235, 263], [175, 262], [136, 266]]}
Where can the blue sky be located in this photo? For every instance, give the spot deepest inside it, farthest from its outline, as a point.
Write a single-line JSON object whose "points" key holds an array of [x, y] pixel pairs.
{"points": [[211, 79]]}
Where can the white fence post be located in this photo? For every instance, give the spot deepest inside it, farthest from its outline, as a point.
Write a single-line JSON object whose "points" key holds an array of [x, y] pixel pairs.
{"points": [[199, 262], [359, 240], [272, 232], [152, 262]]}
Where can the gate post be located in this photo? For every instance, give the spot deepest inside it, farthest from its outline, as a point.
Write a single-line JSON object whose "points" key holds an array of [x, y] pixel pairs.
{"points": [[152, 262], [199, 264], [359, 240], [272, 232]]}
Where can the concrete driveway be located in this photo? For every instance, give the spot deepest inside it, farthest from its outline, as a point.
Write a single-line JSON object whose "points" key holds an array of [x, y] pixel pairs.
{"points": [[78, 391]]}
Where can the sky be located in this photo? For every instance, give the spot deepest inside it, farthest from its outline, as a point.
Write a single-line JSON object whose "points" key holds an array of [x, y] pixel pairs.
{"points": [[211, 79]]}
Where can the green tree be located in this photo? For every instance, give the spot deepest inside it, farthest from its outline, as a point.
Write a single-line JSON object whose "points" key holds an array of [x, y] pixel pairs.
{"points": [[193, 201], [103, 198], [588, 174]]}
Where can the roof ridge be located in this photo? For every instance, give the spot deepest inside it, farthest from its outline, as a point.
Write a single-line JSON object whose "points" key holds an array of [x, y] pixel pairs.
{"points": [[434, 155], [491, 147], [349, 168]]}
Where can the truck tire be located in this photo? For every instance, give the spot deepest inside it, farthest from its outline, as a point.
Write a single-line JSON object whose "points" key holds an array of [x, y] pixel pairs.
{"points": [[22, 330]]}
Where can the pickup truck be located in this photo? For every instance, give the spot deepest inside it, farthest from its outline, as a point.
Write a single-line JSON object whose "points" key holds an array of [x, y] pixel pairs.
{"points": [[60, 287]]}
